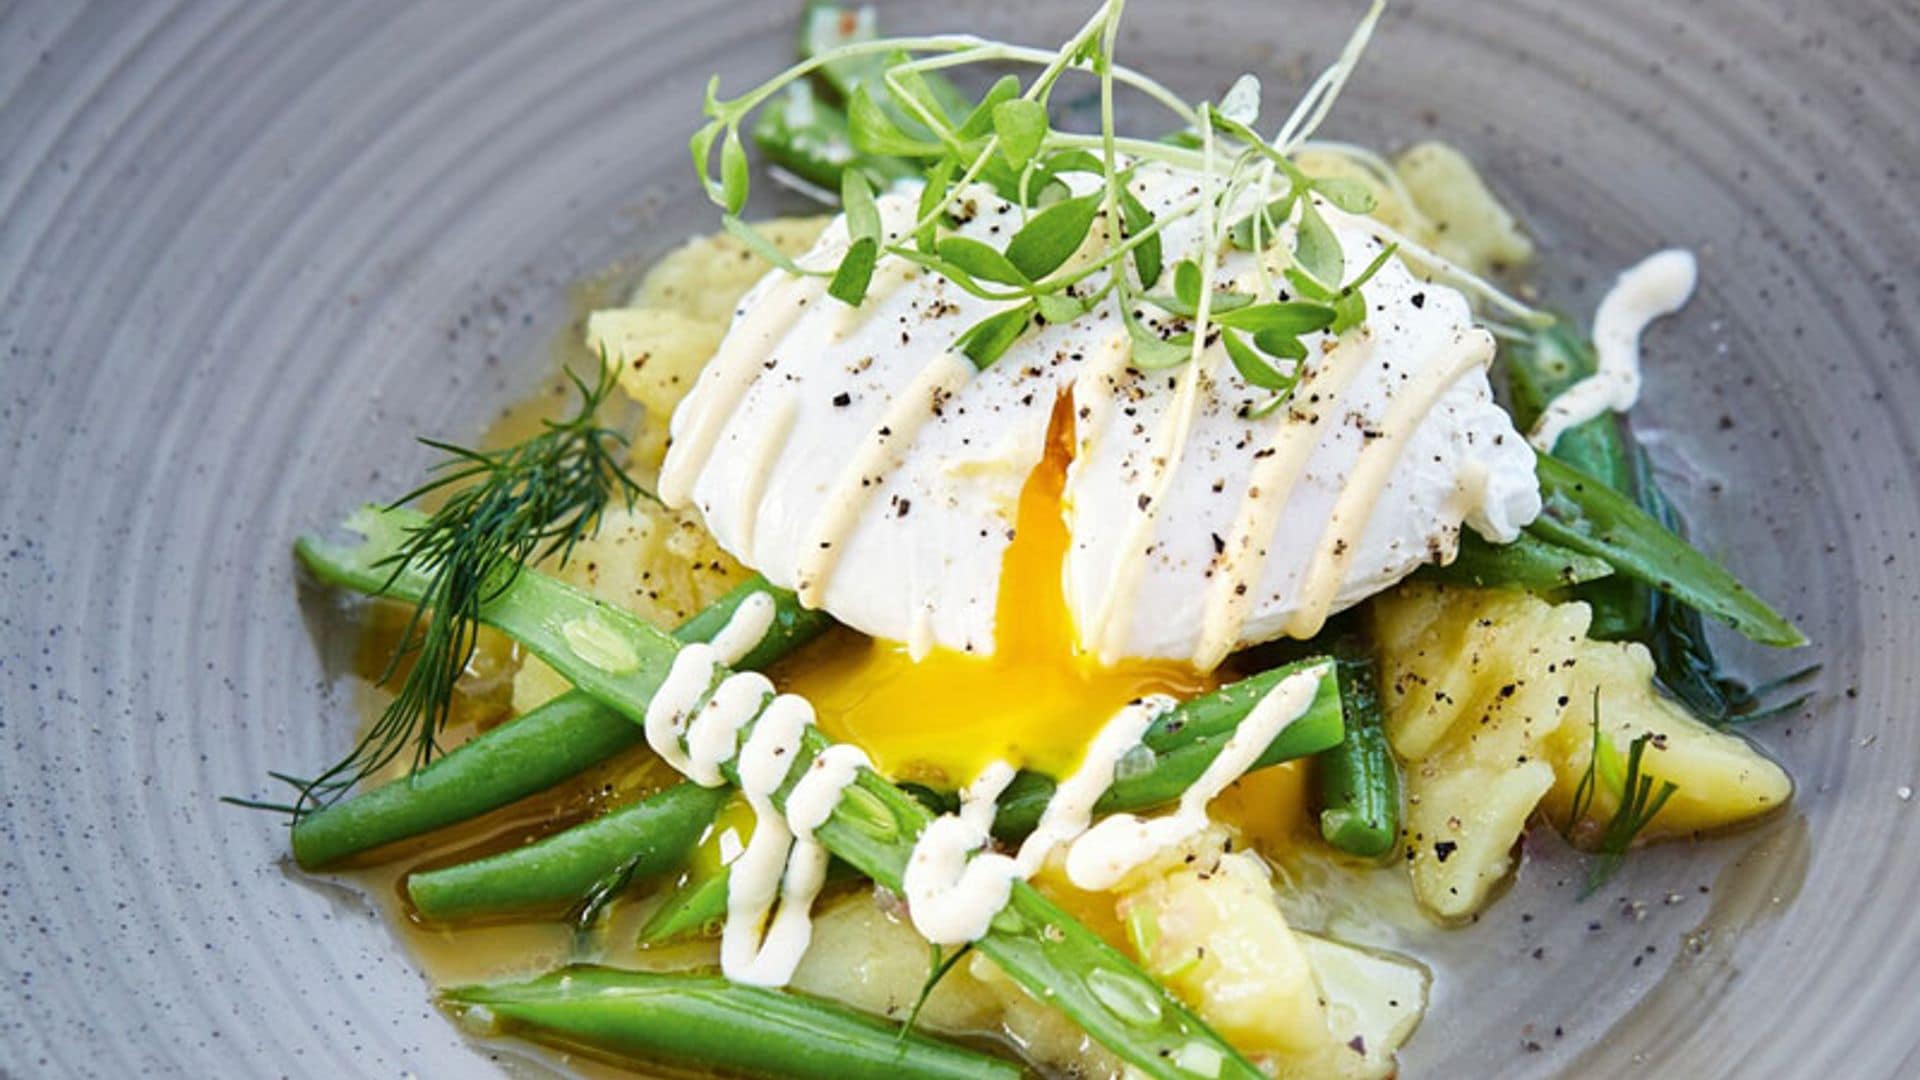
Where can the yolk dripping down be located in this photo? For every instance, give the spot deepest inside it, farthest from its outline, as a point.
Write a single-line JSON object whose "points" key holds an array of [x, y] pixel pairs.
{"points": [[1036, 702]]}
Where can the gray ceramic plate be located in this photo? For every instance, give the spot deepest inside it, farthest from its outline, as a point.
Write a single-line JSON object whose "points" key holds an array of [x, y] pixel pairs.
{"points": [[248, 250]]}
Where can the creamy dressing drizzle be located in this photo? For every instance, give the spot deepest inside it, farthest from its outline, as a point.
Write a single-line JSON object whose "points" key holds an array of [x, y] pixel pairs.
{"points": [[1354, 507], [762, 321], [782, 864], [1270, 485], [953, 893], [840, 510], [766, 449], [1103, 855], [1659, 285]]}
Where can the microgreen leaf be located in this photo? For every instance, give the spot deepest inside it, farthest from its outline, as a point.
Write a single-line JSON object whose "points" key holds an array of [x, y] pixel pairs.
{"points": [[1241, 234], [1251, 366], [1222, 300], [1315, 248], [980, 260], [1060, 307], [1022, 127], [1077, 161], [1151, 352], [850, 281], [1187, 284], [981, 122], [1307, 287], [985, 341], [1353, 196], [934, 189], [1282, 343], [856, 198], [1241, 103], [1291, 317], [1051, 236], [701, 147], [1350, 306], [734, 174], [874, 132], [763, 247], [1137, 219]]}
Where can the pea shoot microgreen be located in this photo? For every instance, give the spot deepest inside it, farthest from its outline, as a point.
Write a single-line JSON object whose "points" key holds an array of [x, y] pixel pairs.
{"points": [[1077, 245]]}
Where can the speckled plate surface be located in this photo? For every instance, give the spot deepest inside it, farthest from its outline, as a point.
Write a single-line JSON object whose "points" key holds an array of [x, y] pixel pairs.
{"points": [[248, 250]]}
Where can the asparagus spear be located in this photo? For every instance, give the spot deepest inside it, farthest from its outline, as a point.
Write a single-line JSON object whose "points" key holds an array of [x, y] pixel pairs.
{"points": [[532, 753], [621, 660], [707, 1023]]}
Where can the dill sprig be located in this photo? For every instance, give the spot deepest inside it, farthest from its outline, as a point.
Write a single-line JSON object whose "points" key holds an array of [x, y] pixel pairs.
{"points": [[530, 501], [1639, 802]]}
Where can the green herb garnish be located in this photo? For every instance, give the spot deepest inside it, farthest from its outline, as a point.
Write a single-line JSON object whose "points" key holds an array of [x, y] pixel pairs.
{"points": [[1639, 802], [509, 507], [900, 108]]}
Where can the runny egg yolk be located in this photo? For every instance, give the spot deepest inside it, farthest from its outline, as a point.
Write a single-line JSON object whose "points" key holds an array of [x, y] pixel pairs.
{"points": [[1036, 702]]}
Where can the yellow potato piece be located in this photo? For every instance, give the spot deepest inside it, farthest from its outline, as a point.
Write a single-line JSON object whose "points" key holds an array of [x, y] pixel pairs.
{"points": [[1462, 823], [1488, 699], [1469, 225], [1214, 936], [1721, 778]]}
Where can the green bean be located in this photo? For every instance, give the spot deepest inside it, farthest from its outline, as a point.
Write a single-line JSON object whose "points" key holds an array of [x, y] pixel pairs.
{"points": [[621, 660], [809, 138], [706, 1023], [695, 907], [1539, 369], [826, 26], [1529, 563], [1180, 744], [1358, 780], [549, 744], [633, 842], [1178, 747], [1588, 516]]}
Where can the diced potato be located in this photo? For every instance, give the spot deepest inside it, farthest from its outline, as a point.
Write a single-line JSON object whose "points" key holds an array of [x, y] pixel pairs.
{"points": [[1214, 936], [1374, 1001], [658, 354], [1462, 822], [535, 684], [1488, 698], [866, 956], [657, 563], [1721, 778], [1467, 663], [705, 277], [1470, 227]]}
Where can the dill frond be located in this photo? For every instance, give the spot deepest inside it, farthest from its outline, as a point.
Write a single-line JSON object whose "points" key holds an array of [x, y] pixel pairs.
{"points": [[507, 508]]}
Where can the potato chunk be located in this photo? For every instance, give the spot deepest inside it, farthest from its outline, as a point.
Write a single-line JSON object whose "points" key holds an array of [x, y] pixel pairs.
{"points": [[1489, 698]]}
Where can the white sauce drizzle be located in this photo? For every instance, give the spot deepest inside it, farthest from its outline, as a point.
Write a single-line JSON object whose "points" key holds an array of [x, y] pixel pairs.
{"points": [[1270, 485], [840, 510], [746, 628], [763, 320], [1353, 508], [1659, 285], [782, 863], [1106, 853]]}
